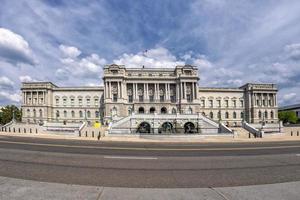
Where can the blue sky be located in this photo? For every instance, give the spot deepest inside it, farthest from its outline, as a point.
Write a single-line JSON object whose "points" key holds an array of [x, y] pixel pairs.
{"points": [[231, 42]]}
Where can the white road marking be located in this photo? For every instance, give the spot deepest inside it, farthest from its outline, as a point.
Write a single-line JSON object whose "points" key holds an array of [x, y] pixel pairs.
{"points": [[298, 154], [130, 157]]}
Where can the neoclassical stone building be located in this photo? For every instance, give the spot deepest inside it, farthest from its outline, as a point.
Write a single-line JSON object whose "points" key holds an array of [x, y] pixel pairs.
{"points": [[148, 91]]}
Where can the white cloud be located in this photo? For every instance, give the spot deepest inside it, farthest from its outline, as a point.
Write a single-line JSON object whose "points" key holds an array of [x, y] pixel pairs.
{"points": [[289, 96], [86, 67], [8, 97], [14, 48], [69, 51], [153, 58], [26, 78], [6, 83]]}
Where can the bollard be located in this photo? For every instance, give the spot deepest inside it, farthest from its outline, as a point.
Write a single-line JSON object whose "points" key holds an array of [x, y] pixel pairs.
{"points": [[19, 130], [99, 135], [24, 130], [79, 133], [30, 131], [9, 129], [297, 133], [249, 135], [92, 133], [14, 130], [36, 131], [5, 129], [85, 133], [291, 133]]}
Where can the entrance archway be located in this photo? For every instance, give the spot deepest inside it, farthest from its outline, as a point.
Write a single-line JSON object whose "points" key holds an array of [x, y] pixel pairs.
{"points": [[189, 127], [144, 127], [167, 127]]}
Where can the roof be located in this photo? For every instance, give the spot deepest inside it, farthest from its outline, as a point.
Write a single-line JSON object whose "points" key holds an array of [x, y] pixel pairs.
{"points": [[290, 107]]}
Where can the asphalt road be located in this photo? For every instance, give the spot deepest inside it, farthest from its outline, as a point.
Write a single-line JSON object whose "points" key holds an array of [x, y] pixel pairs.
{"points": [[150, 165]]}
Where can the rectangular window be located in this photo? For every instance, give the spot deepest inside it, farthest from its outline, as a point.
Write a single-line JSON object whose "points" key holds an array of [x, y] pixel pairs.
{"points": [[234, 103], [189, 98], [141, 98], [96, 102], [203, 103], [72, 102], [80, 102], [162, 98], [211, 103], [64, 102], [151, 98], [88, 102], [173, 99], [56, 101], [130, 99], [242, 103], [219, 103], [115, 97], [226, 103]]}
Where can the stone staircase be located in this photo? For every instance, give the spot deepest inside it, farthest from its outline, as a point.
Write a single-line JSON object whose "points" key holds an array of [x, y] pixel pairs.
{"points": [[241, 132]]}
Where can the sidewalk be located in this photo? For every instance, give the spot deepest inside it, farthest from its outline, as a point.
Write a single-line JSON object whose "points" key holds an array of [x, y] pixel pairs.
{"points": [[162, 139], [17, 189]]}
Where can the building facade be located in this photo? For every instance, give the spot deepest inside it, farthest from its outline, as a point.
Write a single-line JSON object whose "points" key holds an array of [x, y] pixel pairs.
{"points": [[149, 91]]}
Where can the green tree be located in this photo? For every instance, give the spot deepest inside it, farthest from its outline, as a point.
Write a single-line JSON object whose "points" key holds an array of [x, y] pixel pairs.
{"points": [[7, 114], [288, 117]]}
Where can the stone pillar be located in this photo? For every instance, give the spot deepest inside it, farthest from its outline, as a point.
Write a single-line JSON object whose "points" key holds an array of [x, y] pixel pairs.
{"points": [[118, 89], [181, 90], [147, 91], [44, 97], [109, 90], [31, 98], [136, 91], [177, 92], [184, 84], [193, 91]]}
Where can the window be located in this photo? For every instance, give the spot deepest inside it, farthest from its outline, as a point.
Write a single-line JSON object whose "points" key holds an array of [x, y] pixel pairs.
{"points": [[88, 102], [219, 114], [264, 102], [211, 115], [152, 110], [130, 99], [189, 98], [226, 115], [241, 103], [162, 98], [73, 113], [173, 99], [28, 113], [219, 103], [97, 114], [64, 101], [272, 114], [80, 102], [57, 114], [65, 113], [234, 115], [96, 101], [234, 103], [151, 98], [174, 111], [226, 103], [80, 114], [266, 114], [72, 101], [190, 110], [34, 113], [115, 97], [57, 101], [141, 98], [163, 110], [270, 102], [141, 110], [242, 115], [203, 103], [259, 114], [257, 102], [41, 113], [88, 113], [210, 103]]}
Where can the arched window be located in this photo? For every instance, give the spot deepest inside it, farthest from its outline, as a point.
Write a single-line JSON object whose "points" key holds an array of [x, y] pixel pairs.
{"points": [[114, 111], [73, 113], [65, 113], [219, 114], [211, 115], [203, 113], [129, 111], [190, 110], [174, 111], [88, 113], [266, 114], [242, 115], [57, 113], [41, 113], [34, 113], [163, 110], [272, 115], [152, 110], [141, 110], [234, 115], [259, 114], [80, 114], [28, 113], [226, 115], [97, 114]]}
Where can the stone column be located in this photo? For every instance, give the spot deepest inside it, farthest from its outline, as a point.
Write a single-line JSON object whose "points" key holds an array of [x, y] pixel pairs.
{"points": [[44, 97], [31, 102], [193, 91], [166, 91], [177, 92], [109, 90], [118, 89], [184, 84], [147, 91], [181, 90]]}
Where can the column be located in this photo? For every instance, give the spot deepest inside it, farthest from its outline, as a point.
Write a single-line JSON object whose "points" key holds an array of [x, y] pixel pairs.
{"points": [[31, 98], [169, 92], [118, 89], [44, 97], [181, 91], [196, 91], [136, 90], [177, 92], [184, 84], [106, 89], [193, 92], [109, 90], [166, 91], [147, 91]]}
